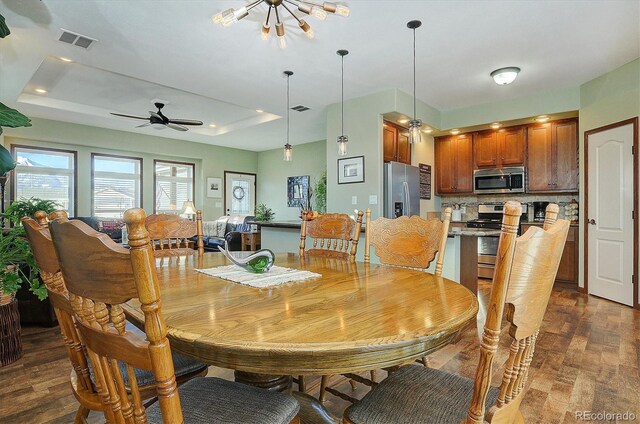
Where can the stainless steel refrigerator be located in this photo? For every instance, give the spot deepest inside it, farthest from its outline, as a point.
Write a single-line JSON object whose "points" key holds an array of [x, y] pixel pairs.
{"points": [[401, 190]]}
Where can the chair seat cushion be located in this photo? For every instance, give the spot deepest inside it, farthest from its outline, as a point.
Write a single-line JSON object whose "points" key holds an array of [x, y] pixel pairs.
{"points": [[213, 400], [417, 395]]}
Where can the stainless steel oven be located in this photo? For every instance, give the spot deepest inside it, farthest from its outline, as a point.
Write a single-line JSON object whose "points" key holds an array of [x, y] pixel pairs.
{"points": [[499, 180], [489, 217]]}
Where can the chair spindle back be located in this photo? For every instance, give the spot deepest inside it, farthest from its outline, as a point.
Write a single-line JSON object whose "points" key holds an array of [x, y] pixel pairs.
{"points": [[170, 234], [334, 235]]}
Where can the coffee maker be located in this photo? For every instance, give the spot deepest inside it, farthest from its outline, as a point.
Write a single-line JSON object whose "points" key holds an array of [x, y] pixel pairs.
{"points": [[539, 210]]}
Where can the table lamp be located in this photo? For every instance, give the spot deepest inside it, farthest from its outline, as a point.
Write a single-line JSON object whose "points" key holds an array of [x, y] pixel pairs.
{"points": [[188, 208]]}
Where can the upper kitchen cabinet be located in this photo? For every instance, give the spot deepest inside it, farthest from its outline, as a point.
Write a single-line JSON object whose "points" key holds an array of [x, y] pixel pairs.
{"points": [[552, 157], [396, 145], [499, 148], [454, 164]]}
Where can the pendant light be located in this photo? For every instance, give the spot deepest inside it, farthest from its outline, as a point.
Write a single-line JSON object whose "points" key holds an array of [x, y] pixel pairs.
{"points": [[342, 139], [415, 125], [288, 149]]}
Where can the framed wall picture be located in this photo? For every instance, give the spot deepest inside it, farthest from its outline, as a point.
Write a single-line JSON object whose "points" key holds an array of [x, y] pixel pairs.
{"points": [[351, 170], [214, 187], [298, 191]]}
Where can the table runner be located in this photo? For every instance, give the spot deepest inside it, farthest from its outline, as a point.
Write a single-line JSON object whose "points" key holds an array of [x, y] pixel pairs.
{"points": [[275, 276]]}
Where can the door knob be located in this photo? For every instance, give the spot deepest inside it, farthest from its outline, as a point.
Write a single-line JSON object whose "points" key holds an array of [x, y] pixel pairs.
{"points": [[591, 222]]}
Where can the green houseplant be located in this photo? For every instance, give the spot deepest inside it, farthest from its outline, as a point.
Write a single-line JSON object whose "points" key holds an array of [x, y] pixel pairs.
{"points": [[321, 193], [263, 213]]}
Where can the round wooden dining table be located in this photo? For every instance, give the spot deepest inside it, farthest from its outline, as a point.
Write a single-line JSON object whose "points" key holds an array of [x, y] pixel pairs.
{"points": [[354, 317]]}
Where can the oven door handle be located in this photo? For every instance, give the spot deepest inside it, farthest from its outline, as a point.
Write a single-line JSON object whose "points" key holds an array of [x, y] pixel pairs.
{"points": [[509, 186]]}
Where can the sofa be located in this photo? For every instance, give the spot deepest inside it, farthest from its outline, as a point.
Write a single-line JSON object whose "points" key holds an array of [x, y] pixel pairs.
{"points": [[225, 228], [110, 226]]}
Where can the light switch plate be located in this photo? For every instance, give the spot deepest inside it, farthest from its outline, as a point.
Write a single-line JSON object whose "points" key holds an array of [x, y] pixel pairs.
{"points": [[354, 200], [373, 199]]}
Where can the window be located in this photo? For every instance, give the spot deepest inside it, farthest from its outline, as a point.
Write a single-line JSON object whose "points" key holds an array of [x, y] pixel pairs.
{"points": [[174, 185], [48, 174], [115, 184]]}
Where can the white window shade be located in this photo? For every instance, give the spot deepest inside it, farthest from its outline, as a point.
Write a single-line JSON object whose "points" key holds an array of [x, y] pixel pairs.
{"points": [[174, 186], [116, 185]]}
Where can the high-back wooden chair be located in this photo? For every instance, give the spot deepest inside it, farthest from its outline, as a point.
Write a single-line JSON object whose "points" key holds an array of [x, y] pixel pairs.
{"points": [[100, 276], [525, 271], [334, 235], [39, 238], [170, 234], [408, 241]]}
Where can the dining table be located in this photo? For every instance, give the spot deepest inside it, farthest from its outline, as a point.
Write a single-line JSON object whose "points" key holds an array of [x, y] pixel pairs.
{"points": [[351, 317]]}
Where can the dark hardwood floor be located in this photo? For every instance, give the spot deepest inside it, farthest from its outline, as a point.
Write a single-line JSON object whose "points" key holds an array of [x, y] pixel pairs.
{"points": [[587, 359]]}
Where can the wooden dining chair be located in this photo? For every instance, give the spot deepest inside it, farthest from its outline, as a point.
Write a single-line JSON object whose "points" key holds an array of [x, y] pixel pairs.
{"points": [[333, 235], [170, 234], [411, 242], [100, 276], [82, 384], [525, 271]]}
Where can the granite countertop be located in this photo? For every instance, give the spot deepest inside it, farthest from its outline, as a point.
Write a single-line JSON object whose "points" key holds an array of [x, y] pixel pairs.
{"points": [[474, 232]]}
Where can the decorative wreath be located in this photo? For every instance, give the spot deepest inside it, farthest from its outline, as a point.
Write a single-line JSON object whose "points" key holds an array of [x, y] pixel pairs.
{"points": [[238, 193]]}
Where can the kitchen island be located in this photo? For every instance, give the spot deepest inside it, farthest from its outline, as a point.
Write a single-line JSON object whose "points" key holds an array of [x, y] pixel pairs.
{"points": [[460, 260]]}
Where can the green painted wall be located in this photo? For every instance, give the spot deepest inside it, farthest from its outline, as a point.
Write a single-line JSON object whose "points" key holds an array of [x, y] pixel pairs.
{"points": [[547, 102], [308, 159], [610, 98], [211, 161]]}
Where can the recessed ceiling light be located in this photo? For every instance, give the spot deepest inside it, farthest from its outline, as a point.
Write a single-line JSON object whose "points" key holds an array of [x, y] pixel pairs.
{"points": [[504, 76], [40, 90], [259, 110], [212, 125], [65, 59], [403, 121], [428, 130], [542, 118], [455, 131], [495, 125]]}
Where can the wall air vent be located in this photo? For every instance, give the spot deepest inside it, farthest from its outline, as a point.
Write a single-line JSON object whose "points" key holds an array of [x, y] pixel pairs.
{"points": [[300, 108], [76, 39]]}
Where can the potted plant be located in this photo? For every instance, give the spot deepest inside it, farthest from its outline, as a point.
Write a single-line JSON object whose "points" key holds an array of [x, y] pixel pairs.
{"points": [[321, 193], [263, 213]]}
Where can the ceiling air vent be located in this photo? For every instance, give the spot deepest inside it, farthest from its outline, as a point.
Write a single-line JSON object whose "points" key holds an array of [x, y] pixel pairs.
{"points": [[76, 39], [300, 108]]}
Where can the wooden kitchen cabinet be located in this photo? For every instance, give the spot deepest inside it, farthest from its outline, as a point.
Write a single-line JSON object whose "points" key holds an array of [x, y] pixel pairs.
{"points": [[552, 157], [568, 269], [454, 164], [498, 148], [396, 146]]}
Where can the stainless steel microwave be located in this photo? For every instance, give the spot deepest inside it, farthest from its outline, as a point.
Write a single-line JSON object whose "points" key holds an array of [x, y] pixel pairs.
{"points": [[499, 180]]}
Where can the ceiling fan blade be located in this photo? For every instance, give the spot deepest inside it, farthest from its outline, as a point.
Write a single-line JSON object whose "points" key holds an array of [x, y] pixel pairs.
{"points": [[156, 115], [144, 125], [177, 127], [185, 121], [129, 116]]}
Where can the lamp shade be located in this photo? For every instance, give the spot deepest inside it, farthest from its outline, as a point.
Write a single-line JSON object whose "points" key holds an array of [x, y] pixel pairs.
{"points": [[188, 208]]}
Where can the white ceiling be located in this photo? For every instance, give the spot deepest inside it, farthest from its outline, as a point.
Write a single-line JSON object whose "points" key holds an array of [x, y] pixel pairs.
{"points": [[171, 50]]}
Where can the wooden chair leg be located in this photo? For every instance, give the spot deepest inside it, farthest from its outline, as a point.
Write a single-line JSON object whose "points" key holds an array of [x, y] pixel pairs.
{"points": [[373, 376], [302, 387], [424, 361], [353, 384], [81, 415], [323, 386]]}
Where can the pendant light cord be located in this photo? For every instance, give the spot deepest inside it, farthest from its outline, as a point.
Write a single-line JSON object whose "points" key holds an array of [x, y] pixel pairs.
{"points": [[414, 73], [288, 108], [342, 100]]}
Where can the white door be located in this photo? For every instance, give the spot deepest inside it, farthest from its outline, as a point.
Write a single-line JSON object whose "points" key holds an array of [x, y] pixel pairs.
{"points": [[240, 193], [610, 204]]}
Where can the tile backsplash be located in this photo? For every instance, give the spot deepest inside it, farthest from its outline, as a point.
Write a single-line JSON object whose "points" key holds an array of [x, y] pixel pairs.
{"points": [[471, 202]]}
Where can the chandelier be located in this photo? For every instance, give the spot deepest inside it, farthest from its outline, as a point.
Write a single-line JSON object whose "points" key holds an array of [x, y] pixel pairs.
{"points": [[317, 10]]}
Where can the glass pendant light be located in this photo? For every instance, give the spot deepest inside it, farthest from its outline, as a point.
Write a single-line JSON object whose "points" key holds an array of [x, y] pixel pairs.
{"points": [[288, 149], [342, 139], [415, 125]]}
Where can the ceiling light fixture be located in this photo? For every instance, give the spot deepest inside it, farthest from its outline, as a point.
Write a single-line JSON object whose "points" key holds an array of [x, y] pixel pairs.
{"points": [[455, 131], [317, 10], [288, 149], [415, 124], [342, 139], [259, 110], [495, 125], [212, 125], [403, 121], [428, 130], [504, 76], [65, 59], [542, 118], [40, 90]]}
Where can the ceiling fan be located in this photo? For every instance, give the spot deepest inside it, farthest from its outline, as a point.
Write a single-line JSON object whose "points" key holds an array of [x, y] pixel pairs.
{"points": [[159, 121]]}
